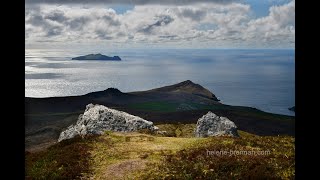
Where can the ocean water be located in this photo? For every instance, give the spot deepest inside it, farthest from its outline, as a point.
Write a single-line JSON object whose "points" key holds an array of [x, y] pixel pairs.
{"points": [[264, 79]]}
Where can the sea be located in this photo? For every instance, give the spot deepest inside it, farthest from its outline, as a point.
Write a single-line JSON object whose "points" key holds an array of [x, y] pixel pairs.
{"points": [[260, 78]]}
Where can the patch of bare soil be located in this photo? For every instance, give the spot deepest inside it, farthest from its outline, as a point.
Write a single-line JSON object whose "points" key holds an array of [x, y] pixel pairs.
{"points": [[123, 169]]}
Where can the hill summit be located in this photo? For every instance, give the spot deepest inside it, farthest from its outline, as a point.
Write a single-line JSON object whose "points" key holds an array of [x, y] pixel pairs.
{"points": [[188, 87]]}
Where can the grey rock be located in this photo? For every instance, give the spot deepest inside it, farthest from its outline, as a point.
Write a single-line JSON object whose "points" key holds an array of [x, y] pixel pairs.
{"points": [[213, 125], [97, 119]]}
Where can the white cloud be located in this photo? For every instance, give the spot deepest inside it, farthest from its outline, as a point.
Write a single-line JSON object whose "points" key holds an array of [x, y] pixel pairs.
{"points": [[278, 27], [133, 2], [213, 25]]}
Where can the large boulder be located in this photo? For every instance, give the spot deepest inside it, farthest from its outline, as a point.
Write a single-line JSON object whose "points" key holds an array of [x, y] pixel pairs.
{"points": [[97, 119], [213, 125]]}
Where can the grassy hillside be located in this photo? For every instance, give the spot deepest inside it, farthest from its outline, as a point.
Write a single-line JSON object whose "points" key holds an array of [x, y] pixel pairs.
{"points": [[182, 103], [173, 107], [149, 156], [164, 107], [196, 163]]}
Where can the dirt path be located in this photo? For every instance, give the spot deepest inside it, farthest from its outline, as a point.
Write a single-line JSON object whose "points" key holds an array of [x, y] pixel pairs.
{"points": [[121, 170], [131, 152]]}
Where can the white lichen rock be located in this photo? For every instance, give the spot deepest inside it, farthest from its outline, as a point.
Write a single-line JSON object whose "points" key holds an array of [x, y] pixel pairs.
{"points": [[97, 119], [213, 125]]}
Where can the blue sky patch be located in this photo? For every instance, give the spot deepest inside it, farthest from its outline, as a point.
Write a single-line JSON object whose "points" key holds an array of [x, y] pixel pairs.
{"points": [[121, 9], [260, 8]]}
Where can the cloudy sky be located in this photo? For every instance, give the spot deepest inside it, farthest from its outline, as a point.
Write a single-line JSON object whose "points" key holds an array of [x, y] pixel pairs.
{"points": [[160, 24]]}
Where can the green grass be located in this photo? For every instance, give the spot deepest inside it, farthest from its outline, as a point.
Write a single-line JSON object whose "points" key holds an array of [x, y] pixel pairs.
{"points": [[180, 157], [195, 163], [133, 146], [178, 130], [68, 159]]}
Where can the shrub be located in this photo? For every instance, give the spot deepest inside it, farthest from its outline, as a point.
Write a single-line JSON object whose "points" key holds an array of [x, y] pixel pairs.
{"points": [[65, 160], [195, 163]]}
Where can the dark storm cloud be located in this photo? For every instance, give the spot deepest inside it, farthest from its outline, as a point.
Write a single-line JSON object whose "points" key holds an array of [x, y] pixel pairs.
{"points": [[133, 2], [162, 21]]}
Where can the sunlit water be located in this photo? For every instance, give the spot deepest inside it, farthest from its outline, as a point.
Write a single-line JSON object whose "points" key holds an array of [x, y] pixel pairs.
{"points": [[257, 78]]}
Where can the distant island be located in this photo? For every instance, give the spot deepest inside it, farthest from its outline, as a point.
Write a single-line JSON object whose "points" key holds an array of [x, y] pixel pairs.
{"points": [[97, 57]]}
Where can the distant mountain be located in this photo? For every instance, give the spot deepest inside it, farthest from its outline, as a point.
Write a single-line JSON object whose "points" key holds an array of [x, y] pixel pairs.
{"points": [[97, 57]]}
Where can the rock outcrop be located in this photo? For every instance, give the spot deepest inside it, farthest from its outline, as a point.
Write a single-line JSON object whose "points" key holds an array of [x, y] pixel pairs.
{"points": [[213, 125], [97, 119]]}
